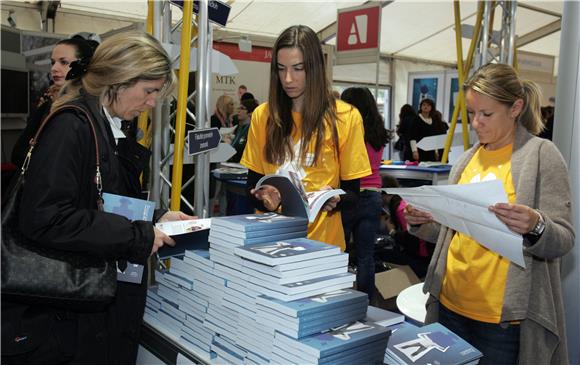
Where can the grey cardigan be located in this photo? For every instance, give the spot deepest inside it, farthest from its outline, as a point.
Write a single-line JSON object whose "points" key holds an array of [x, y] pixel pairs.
{"points": [[533, 295]]}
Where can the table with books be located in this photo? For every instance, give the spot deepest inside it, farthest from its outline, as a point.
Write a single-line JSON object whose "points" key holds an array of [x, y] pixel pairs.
{"points": [[265, 294], [434, 175], [233, 180]]}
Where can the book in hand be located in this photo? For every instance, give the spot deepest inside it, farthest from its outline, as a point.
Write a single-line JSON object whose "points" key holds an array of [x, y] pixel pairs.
{"points": [[282, 252], [431, 344], [132, 209], [295, 200], [188, 235]]}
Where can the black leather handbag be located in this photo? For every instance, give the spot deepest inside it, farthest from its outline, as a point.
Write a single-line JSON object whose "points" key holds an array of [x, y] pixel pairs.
{"points": [[33, 273]]}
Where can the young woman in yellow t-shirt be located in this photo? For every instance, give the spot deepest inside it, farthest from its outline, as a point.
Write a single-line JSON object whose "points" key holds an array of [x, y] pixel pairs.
{"points": [[304, 129], [503, 309]]}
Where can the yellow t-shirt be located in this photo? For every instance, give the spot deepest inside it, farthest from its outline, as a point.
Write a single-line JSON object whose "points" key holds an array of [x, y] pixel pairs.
{"points": [[475, 277], [352, 162]]}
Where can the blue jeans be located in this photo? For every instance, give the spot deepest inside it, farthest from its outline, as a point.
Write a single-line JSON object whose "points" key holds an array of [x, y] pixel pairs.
{"points": [[499, 343], [363, 223]]}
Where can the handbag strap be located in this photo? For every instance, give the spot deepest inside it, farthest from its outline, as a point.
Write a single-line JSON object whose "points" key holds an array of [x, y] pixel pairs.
{"points": [[34, 140]]}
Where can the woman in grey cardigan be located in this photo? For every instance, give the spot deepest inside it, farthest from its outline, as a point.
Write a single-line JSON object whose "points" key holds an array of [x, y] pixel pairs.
{"points": [[511, 314]]}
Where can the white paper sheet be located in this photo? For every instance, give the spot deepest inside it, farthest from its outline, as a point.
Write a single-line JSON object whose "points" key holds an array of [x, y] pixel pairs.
{"points": [[464, 208]]}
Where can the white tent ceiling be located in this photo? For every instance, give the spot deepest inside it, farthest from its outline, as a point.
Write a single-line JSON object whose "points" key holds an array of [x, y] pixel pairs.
{"points": [[410, 28]]}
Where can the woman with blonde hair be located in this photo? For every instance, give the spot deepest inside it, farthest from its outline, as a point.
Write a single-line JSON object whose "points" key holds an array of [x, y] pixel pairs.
{"points": [[60, 206], [512, 314], [304, 129], [224, 110]]}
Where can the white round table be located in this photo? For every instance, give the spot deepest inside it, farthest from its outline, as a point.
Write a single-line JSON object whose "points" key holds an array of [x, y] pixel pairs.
{"points": [[411, 302]]}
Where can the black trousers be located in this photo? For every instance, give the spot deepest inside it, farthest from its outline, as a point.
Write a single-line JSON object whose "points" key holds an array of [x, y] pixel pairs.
{"points": [[34, 334]]}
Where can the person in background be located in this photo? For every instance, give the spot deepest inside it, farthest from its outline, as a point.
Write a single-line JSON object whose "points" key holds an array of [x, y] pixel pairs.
{"points": [[407, 116], [59, 210], [362, 223], [245, 111], [428, 123], [408, 249], [512, 314], [245, 96], [548, 119], [304, 129], [224, 110], [242, 89], [63, 54]]}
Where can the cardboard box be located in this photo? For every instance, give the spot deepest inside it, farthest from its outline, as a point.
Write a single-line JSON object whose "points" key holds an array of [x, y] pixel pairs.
{"points": [[388, 284]]}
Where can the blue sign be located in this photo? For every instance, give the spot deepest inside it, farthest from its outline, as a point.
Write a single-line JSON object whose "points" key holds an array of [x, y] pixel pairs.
{"points": [[201, 140], [217, 12]]}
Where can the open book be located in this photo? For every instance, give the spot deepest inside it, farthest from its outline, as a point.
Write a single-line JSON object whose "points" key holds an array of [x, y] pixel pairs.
{"points": [[295, 200], [188, 235]]}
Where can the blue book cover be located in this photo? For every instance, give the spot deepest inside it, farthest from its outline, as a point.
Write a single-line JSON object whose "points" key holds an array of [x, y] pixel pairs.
{"points": [[288, 297], [383, 317], [130, 208], [312, 284], [258, 222], [322, 265], [261, 233], [370, 353], [316, 317], [336, 340], [134, 210], [430, 344], [262, 239], [259, 278], [290, 269], [315, 325], [318, 303], [282, 252]]}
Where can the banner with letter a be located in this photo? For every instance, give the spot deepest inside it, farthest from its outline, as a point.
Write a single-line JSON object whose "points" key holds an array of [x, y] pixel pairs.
{"points": [[358, 34]]}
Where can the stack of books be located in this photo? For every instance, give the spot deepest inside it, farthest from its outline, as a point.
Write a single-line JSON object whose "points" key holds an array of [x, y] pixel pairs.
{"points": [[227, 233], [231, 301], [312, 315], [179, 305], [317, 268], [354, 343], [431, 344], [383, 317]]}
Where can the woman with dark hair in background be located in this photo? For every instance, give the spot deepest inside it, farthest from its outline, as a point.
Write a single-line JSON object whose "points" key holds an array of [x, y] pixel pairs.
{"points": [[63, 54], [363, 221], [407, 117], [304, 129], [427, 123]]}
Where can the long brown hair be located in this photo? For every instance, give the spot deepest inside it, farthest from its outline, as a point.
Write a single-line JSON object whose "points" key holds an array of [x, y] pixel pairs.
{"points": [[319, 108]]}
